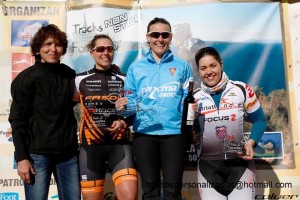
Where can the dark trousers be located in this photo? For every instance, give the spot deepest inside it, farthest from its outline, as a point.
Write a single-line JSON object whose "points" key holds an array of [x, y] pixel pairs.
{"points": [[156, 153]]}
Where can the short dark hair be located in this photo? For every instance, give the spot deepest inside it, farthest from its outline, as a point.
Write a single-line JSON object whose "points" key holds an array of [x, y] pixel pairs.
{"points": [[207, 51], [91, 44], [45, 32], [158, 20]]}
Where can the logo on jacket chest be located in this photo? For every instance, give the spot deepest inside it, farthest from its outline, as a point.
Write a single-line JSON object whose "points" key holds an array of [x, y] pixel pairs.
{"points": [[221, 132], [112, 98], [172, 71], [164, 91]]}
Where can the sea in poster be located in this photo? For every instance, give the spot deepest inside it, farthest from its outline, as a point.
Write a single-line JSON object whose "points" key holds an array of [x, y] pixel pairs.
{"points": [[243, 61], [250, 45]]}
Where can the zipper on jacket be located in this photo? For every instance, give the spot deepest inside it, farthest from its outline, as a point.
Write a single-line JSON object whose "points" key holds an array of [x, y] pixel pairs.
{"points": [[159, 83], [58, 101], [55, 92]]}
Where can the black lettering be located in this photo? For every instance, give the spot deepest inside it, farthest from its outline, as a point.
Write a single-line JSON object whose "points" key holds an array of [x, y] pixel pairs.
{"points": [[49, 12], [43, 11], [55, 11], [26, 11], [117, 28], [19, 10], [33, 10]]}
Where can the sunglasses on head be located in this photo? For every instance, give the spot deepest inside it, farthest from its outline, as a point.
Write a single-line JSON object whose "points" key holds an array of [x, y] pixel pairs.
{"points": [[164, 35], [101, 49]]}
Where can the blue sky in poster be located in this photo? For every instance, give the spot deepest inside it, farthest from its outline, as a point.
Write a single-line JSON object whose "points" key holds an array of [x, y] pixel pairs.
{"points": [[209, 21], [224, 21], [250, 42], [248, 36]]}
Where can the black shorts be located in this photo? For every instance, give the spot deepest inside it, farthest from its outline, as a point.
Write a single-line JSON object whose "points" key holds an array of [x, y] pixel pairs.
{"points": [[94, 161], [218, 172]]}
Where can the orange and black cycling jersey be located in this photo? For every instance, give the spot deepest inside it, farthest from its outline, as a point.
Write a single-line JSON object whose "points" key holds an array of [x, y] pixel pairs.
{"points": [[99, 90]]}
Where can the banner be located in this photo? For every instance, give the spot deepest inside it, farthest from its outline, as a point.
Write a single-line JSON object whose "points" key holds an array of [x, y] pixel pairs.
{"points": [[249, 42], [251, 46]]}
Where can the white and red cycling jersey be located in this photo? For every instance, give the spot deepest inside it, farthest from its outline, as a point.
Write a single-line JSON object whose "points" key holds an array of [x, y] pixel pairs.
{"points": [[226, 121]]}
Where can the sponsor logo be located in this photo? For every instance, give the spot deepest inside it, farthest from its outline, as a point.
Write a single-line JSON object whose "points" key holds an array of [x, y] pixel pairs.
{"points": [[114, 85], [122, 21], [115, 81], [251, 104], [9, 196], [78, 29], [203, 98], [230, 137], [172, 71], [276, 196], [232, 94], [227, 105], [5, 133], [24, 30], [124, 93], [249, 91], [112, 98], [88, 29], [93, 81], [221, 132], [27, 33], [84, 177], [21, 61], [93, 86], [218, 118], [114, 89], [165, 91]]}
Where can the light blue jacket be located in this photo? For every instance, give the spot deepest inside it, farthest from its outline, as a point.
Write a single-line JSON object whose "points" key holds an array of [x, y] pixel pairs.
{"points": [[155, 92]]}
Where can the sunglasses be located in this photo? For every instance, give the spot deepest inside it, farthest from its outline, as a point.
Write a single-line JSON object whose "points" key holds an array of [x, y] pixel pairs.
{"points": [[156, 35], [101, 49]]}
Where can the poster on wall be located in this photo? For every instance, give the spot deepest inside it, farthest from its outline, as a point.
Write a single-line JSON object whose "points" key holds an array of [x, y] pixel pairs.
{"points": [[22, 31], [250, 44], [122, 25], [252, 51]]}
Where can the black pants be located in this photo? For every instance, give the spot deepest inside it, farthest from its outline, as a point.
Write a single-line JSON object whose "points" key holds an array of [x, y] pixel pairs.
{"points": [[153, 153]]}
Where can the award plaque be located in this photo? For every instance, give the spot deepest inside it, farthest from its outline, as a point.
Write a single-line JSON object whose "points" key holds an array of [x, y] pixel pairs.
{"points": [[233, 146], [135, 106], [131, 107]]}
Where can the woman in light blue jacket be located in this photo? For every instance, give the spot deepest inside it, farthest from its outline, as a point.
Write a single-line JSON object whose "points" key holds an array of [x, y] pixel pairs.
{"points": [[155, 88]]}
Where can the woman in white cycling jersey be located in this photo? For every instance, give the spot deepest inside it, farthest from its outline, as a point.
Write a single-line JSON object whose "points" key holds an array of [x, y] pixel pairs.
{"points": [[225, 168]]}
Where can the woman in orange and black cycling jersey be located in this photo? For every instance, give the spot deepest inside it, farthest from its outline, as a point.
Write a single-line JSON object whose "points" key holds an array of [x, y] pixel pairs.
{"points": [[103, 137]]}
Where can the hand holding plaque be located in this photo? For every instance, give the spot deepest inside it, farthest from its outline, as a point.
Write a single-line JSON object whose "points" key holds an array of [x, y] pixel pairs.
{"points": [[130, 107], [136, 106], [233, 146]]}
